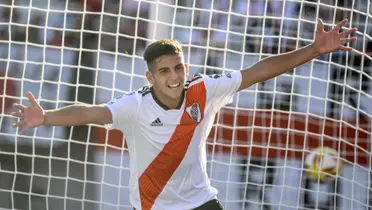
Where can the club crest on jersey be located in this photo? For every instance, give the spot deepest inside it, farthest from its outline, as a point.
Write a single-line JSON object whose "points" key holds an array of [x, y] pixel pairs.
{"points": [[194, 112]]}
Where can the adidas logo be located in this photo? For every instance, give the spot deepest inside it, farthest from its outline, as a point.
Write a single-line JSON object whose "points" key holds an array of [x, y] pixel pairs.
{"points": [[157, 122]]}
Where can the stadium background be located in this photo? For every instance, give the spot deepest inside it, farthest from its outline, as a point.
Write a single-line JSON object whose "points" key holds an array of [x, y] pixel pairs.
{"points": [[61, 64]]}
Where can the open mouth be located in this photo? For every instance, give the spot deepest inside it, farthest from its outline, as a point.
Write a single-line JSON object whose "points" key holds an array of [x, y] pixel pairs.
{"points": [[174, 85]]}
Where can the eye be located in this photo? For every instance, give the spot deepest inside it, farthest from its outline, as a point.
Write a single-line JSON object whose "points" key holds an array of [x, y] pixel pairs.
{"points": [[163, 71], [179, 67]]}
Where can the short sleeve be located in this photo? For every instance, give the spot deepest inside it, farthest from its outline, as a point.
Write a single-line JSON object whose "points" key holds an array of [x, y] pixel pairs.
{"points": [[123, 110], [221, 88]]}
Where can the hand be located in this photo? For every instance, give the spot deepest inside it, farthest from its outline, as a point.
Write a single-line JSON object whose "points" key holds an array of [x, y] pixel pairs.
{"points": [[326, 42], [31, 116]]}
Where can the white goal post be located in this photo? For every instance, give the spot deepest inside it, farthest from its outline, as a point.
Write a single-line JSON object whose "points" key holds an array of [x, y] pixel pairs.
{"points": [[89, 51]]}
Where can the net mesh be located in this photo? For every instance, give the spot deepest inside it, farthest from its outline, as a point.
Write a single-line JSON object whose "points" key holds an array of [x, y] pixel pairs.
{"points": [[89, 51]]}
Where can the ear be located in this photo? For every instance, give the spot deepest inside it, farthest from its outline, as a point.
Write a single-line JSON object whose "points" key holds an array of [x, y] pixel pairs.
{"points": [[149, 77], [187, 70]]}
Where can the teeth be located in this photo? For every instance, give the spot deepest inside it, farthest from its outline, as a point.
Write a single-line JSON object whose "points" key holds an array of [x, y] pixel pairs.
{"points": [[175, 85]]}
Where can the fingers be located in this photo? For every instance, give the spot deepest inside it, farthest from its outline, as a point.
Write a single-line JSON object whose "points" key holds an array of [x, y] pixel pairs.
{"points": [[31, 98], [18, 124], [348, 32], [339, 25], [19, 106], [320, 26], [24, 130], [17, 114], [345, 41], [345, 48], [348, 40]]}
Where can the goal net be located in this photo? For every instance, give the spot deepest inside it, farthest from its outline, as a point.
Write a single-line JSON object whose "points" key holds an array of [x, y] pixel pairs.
{"points": [[90, 51]]}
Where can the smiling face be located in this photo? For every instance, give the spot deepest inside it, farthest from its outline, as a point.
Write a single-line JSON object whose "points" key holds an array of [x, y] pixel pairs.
{"points": [[168, 74]]}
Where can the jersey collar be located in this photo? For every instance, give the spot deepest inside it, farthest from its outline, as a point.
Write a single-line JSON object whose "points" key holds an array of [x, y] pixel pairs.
{"points": [[164, 106]]}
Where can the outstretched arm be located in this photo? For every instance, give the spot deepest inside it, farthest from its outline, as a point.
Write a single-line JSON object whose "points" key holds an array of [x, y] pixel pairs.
{"points": [[34, 115], [325, 42]]}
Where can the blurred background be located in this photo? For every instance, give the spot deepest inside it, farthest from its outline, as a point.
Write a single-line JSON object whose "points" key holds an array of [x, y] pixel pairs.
{"points": [[89, 51]]}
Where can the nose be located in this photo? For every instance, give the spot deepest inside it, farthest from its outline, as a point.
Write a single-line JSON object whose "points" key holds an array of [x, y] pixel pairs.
{"points": [[174, 75]]}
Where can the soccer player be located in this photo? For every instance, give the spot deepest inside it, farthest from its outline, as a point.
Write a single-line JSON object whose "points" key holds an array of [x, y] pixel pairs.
{"points": [[166, 125]]}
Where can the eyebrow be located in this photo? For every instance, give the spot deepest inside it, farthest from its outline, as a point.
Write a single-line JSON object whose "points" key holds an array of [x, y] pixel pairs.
{"points": [[166, 68]]}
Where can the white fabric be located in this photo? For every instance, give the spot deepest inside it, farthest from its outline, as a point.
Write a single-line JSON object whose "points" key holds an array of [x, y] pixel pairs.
{"points": [[137, 115]]}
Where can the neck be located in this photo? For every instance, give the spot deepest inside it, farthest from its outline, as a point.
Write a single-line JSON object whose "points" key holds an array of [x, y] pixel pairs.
{"points": [[166, 102]]}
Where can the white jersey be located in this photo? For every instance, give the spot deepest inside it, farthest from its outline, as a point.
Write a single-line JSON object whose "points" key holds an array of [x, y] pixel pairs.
{"points": [[167, 148]]}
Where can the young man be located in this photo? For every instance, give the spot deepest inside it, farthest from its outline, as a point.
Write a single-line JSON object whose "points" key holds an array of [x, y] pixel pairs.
{"points": [[166, 125]]}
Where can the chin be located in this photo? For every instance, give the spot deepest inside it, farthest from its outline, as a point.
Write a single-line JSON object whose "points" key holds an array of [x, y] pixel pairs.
{"points": [[176, 95]]}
